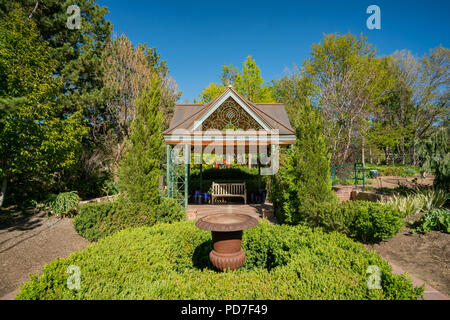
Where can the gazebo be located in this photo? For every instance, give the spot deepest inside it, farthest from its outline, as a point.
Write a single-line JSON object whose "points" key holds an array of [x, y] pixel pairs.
{"points": [[229, 126]]}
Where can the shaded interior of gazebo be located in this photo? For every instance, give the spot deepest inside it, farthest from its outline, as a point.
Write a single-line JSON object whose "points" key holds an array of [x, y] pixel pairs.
{"points": [[230, 126]]}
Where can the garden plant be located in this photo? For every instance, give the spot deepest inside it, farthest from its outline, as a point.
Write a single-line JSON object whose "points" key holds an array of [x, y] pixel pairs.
{"points": [[170, 261]]}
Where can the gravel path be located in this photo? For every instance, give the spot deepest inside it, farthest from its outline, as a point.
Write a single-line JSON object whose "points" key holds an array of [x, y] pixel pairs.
{"points": [[29, 243]]}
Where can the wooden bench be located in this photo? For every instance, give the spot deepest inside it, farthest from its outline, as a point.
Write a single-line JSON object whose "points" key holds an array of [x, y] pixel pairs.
{"points": [[221, 190]]}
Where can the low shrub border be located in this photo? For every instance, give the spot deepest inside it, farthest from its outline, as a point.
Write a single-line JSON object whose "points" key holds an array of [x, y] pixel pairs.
{"points": [[98, 220], [87, 222], [170, 261], [370, 221], [364, 221]]}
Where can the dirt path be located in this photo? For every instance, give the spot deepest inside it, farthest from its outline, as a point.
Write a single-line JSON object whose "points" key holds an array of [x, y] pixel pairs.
{"points": [[28, 242], [392, 182], [425, 256]]}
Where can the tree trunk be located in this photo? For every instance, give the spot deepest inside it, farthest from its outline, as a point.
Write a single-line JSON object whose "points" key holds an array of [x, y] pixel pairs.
{"points": [[414, 149], [403, 154], [3, 191], [386, 155], [363, 160], [348, 143], [117, 158], [32, 12], [370, 156]]}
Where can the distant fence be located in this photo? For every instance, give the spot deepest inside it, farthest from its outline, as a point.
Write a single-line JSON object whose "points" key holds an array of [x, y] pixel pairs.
{"points": [[347, 174]]}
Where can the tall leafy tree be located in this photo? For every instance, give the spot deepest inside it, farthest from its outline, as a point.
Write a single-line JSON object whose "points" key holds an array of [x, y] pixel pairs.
{"points": [[293, 90], [128, 69], [212, 91], [77, 52], [140, 167], [39, 139], [417, 105], [8, 105], [391, 128], [247, 82], [349, 81], [250, 83], [78, 57], [428, 79]]}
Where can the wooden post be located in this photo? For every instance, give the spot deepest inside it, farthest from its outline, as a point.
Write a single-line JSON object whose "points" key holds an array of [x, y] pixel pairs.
{"points": [[201, 173], [259, 173], [274, 164], [364, 179], [168, 170], [275, 160], [186, 173]]}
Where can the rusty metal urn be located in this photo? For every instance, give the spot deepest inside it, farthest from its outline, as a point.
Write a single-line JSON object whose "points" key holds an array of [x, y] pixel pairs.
{"points": [[226, 232]]}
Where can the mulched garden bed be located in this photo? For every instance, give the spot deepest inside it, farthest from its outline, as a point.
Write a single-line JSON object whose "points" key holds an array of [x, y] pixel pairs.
{"points": [[427, 256]]}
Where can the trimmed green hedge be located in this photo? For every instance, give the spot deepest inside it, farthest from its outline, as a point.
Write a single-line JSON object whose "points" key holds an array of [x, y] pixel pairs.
{"points": [[98, 220], [170, 261], [170, 210], [87, 222], [250, 184], [226, 175], [370, 221], [361, 220]]}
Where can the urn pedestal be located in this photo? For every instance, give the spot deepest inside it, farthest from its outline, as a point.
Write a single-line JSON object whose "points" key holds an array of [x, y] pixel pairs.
{"points": [[226, 232]]}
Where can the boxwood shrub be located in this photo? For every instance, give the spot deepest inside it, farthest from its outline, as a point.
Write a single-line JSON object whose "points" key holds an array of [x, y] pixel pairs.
{"points": [[370, 221], [170, 210], [98, 220], [361, 220], [87, 222], [170, 261]]}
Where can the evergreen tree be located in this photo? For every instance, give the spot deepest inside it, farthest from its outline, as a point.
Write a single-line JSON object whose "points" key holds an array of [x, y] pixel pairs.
{"points": [[140, 168], [77, 52], [435, 155], [303, 182]]}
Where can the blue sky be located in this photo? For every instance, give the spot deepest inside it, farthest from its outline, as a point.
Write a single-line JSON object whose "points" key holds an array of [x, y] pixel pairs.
{"points": [[198, 37]]}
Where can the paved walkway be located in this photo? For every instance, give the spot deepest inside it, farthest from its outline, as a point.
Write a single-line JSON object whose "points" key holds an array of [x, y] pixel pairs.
{"points": [[430, 293], [25, 247]]}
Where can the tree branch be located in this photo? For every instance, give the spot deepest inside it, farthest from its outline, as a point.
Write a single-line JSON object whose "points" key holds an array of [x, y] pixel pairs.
{"points": [[34, 10]]}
